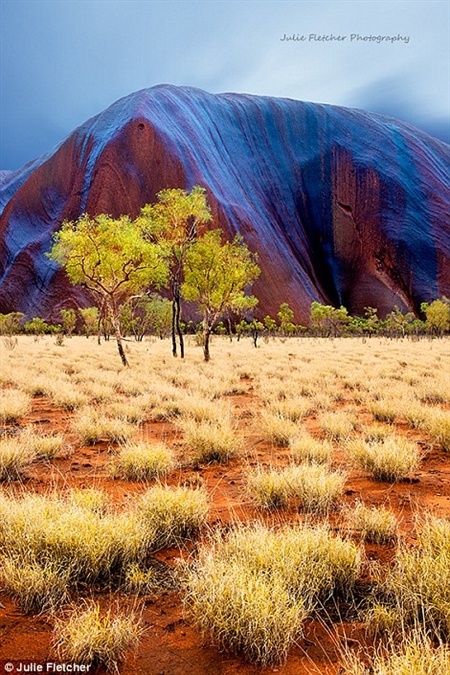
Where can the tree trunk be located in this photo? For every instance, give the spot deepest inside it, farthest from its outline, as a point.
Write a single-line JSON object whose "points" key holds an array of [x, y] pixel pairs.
{"points": [[206, 336], [230, 331], [174, 337], [121, 350], [115, 321], [179, 331]]}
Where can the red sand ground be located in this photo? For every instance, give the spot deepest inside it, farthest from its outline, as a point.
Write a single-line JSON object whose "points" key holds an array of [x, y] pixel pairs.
{"points": [[170, 645]]}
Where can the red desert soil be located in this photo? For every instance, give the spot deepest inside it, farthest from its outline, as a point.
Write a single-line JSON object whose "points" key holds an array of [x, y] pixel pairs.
{"points": [[170, 645]]}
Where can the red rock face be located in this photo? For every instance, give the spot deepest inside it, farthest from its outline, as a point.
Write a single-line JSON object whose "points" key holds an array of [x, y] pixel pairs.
{"points": [[342, 206]]}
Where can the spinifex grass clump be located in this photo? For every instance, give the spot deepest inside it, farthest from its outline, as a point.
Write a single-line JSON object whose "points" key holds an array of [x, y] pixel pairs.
{"points": [[293, 409], [306, 448], [211, 441], [437, 425], [143, 461], [249, 592], [268, 488], [337, 425], [173, 513], [92, 499], [15, 457], [54, 538], [377, 525], [13, 405], [415, 655], [315, 487], [93, 425], [277, 429], [419, 583], [95, 639], [245, 612], [390, 459], [36, 586], [41, 445]]}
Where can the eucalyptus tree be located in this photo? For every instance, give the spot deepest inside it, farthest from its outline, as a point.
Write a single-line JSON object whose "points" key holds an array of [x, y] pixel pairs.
{"points": [[111, 258], [175, 221], [216, 277]]}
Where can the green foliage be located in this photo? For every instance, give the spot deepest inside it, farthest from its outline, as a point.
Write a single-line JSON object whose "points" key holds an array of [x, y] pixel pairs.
{"points": [[286, 317], [38, 326], [175, 222], [270, 324], [10, 323], [399, 323], [69, 320], [112, 258], [90, 319], [437, 315], [216, 276], [329, 320]]}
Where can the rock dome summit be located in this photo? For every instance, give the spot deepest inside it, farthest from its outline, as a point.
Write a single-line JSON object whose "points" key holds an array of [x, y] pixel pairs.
{"points": [[343, 206]]}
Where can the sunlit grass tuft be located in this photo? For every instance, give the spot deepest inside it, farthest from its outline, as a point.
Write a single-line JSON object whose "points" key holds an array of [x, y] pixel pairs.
{"points": [[374, 524], [306, 448], [87, 636], [211, 441], [391, 459], [15, 457], [143, 461], [14, 404]]}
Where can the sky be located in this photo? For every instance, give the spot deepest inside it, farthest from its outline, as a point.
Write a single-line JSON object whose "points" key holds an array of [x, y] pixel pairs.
{"points": [[64, 61]]}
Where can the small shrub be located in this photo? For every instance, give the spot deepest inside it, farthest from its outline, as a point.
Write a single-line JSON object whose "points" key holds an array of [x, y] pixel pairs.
{"points": [[142, 461], [14, 404], [306, 448], [94, 639], [388, 460], [377, 525]]}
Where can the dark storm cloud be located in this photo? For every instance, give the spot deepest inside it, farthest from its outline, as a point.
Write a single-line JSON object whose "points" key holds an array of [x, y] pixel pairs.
{"points": [[397, 96], [63, 61]]}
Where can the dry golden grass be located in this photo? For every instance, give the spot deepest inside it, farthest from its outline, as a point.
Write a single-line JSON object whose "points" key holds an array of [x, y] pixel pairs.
{"points": [[250, 592], [15, 457], [14, 404], [142, 461], [373, 524], [390, 459], [254, 587], [95, 639]]}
